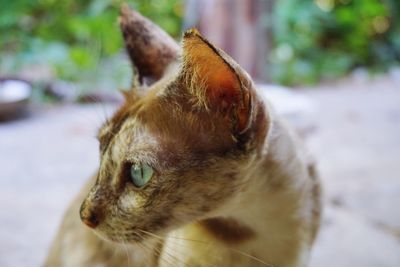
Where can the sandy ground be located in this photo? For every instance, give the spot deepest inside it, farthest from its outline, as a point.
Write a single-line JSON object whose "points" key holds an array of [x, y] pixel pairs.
{"points": [[45, 159]]}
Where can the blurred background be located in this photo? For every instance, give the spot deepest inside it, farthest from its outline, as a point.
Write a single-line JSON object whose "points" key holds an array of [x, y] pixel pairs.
{"points": [[331, 67]]}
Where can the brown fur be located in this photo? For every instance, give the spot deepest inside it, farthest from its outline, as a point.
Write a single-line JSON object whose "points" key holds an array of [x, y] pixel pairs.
{"points": [[147, 45], [231, 183], [227, 230]]}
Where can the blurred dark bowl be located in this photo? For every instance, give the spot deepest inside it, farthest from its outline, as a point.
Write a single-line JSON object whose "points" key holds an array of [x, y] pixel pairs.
{"points": [[14, 98]]}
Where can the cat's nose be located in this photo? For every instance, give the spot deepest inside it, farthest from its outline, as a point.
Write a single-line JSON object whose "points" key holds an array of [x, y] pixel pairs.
{"points": [[90, 220], [88, 216]]}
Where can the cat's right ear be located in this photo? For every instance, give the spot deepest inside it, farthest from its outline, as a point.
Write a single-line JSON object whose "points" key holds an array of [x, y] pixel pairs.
{"points": [[218, 83], [150, 48]]}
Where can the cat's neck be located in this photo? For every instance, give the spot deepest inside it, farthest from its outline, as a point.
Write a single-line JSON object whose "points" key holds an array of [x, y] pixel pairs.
{"points": [[268, 207], [279, 170]]}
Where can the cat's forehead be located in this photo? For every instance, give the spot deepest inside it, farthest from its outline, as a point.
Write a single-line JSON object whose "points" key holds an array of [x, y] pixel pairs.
{"points": [[127, 137], [110, 129], [134, 142]]}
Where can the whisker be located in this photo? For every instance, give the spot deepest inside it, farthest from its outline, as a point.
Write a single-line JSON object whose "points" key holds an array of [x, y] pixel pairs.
{"points": [[125, 248], [158, 251], [175, 243], [252, 257], [142, 246], [210, 243], [161, 239]]}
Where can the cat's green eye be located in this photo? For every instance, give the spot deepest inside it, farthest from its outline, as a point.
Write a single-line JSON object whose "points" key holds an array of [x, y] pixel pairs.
{"points": [[141, 174]]}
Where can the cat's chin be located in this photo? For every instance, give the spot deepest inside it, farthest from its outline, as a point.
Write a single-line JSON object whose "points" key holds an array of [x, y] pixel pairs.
{"points": [[118, 239]]}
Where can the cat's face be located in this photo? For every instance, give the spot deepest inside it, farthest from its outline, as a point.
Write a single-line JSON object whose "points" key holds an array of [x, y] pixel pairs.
{"points": [[178, 152]]}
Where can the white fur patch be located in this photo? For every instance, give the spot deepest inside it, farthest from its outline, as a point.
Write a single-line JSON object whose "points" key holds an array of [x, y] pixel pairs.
{"points": [[130, 201]]}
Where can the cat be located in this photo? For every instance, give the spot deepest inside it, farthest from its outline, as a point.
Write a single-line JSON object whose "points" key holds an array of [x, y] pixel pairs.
{"points": [[196, 169]]}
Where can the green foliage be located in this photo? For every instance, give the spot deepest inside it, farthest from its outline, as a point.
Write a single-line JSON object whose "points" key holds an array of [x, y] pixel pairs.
{"points": [[71, 36], [327, 38], [314, 39]]}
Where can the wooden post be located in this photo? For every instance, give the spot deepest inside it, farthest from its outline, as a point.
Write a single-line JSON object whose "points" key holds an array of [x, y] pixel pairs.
{"points": [[238, 27]]}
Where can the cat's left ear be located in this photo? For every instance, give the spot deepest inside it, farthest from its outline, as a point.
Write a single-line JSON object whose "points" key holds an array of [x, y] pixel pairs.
{"points": [[217, 81], [150, 48]]}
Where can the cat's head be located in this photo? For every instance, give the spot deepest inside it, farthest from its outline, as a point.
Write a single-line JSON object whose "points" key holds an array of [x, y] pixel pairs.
{"points": [[177, 151]]}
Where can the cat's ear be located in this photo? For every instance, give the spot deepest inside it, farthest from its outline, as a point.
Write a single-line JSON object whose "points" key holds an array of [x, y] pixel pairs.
{"points": [[150, 48], [217, 80]]}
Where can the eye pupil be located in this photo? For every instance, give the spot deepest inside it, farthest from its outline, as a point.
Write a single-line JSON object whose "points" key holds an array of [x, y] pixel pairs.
{"points": [[141, 174]]}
